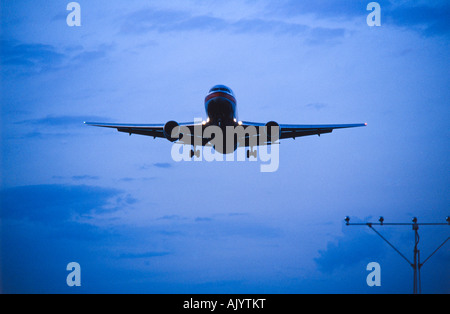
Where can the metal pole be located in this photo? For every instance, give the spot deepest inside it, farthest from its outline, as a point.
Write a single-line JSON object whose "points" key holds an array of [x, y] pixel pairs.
{"points": [[415, 226]]}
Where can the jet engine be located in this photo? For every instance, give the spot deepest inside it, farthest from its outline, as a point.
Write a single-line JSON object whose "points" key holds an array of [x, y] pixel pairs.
{"points": [[169, 127], [268, 130]]}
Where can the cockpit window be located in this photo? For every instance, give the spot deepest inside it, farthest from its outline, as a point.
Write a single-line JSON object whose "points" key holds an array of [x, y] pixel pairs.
{"points": [[221, 88]]}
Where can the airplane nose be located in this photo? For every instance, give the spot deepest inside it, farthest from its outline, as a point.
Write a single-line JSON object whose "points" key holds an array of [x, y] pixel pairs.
{"points": [[220, 107], [220, 110]]}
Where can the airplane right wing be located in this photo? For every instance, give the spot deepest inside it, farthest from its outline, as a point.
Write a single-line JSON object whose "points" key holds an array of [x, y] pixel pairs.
{"points": [[160, 130], [155, 130], [299, 130]]}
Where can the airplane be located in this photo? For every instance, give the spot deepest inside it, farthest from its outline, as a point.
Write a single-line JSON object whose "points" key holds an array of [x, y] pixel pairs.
{"points": [[221, 111]]}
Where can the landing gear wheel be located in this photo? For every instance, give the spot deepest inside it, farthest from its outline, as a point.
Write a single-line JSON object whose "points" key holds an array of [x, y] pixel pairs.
{"points": [[194, 152], [251, 152]]}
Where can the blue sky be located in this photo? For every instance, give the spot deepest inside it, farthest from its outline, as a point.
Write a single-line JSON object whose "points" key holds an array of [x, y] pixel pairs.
{"points": [[136, 221]]}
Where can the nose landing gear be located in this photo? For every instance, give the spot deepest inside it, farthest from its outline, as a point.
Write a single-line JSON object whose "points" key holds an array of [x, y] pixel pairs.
{"points": [[194, 152]]}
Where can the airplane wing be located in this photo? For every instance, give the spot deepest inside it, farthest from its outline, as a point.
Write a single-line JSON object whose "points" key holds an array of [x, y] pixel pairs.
{"points": [[157, 130], [286, 131], [294, 131]]}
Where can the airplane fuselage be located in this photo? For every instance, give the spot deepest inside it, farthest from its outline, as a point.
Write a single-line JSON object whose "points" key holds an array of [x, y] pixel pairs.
{"points": [[221, 106]]}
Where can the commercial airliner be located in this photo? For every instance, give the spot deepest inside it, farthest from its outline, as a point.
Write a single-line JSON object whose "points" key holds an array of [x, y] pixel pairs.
{"points": [[221, 111]]}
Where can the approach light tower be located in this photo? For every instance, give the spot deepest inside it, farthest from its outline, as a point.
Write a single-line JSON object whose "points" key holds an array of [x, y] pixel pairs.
{"points": [[417, 265]]}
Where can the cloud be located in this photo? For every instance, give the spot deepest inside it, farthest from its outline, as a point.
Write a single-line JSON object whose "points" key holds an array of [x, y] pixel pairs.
{"points": [[53, 203], [44, 227], [321, 8], [144, 20], [267, 26], [163, 165], [215, 226], [92, 55], [233, 226], [128, 179], [203, 22], [85, 177], [321, 35], [51, 126], [24, 59], [58, 121], [33, 56], [32, 135], [317, 106], [171, 217], [148, 20], [431, 19], [348, 251], [428, 18], [161, 21], [203, 219]]}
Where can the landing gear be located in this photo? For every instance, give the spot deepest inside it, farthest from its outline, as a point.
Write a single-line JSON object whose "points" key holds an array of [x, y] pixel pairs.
{"points": [[194, 152], [251, 152]]}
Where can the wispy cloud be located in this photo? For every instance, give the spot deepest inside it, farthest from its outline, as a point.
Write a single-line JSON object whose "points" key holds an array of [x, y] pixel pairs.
{"points": [[85, 177], [24, 58], [50, 126], [87, 56], [163, 165], [33, 56], [348, 251], [48, 225], [145, 179], [171, 217], [77, 177], [147, 20], [316, 106], [53, 203], [58, 121], [203, 219], [267, 26], [320, 8], [430, 18]]}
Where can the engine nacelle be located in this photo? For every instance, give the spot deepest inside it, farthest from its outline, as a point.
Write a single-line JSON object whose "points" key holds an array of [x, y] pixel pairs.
{"points": [[169, 127], [268, 130]]}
